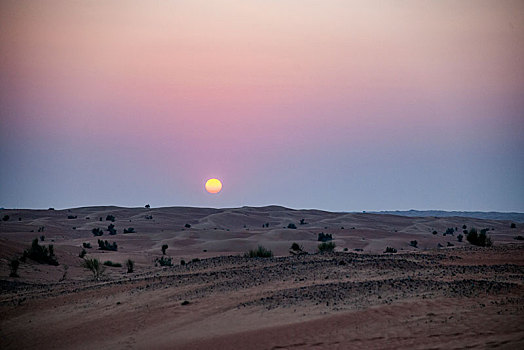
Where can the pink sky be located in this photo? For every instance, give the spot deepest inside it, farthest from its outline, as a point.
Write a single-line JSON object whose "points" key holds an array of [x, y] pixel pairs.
{"points": [[342, 105]]}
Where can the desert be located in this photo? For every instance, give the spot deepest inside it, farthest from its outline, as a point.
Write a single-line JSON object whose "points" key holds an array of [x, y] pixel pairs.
{"points": [[212, 295]]}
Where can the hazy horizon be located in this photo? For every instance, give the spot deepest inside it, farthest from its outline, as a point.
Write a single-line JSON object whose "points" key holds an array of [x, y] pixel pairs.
{"points": [[332, 105]]}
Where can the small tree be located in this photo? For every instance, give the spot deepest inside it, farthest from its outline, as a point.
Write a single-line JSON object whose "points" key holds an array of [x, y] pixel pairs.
{"points": [[111, 229], [95, 267], [164, 248], [13, 265], [326, 247], [148, 206], [130, 265]]}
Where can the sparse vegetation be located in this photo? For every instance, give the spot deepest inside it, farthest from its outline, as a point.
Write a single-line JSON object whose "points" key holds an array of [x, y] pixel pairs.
{"points": [[13, 266], [434, 232], [449, 231], [86, 245], [292, 226], [390, 250], [164, 261], [481, 240], [185, 302], [164, 248], [129, 230], [324, 237], [97, 232], [149, 217], [260, 252], [40, 253], [460, 237], [95, 267], [42, 238], [182, 262], [41, 229], [70, 217], [111, 229], [295, 247], [303, 222], [5, 218], [513, 225], [195, 260], [326, 247], [187, 226], [148, 206], [130, 264], [82, 253], [464, 227], [110, 218], [413, 243], [105, 245], [112, 264]]}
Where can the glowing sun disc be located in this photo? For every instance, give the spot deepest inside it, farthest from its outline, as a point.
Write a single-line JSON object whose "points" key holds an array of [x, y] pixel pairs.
{"points": [[213, 185]]}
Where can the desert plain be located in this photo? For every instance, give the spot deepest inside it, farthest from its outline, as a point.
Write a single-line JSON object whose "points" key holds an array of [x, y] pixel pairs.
{"points": [[440, 293]]}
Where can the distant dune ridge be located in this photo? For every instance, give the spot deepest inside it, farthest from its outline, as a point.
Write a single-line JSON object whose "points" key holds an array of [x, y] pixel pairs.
{"points": [[391, 282], [490, 215]]}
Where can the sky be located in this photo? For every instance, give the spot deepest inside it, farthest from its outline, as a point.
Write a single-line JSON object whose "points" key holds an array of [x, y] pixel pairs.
{"points": [[336, 105]]}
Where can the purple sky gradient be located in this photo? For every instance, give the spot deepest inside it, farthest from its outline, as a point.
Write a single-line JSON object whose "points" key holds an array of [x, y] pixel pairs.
{"points": [[338, 105]]}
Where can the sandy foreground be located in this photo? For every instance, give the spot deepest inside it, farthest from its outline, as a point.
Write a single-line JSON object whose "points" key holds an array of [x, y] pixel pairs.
{"points": [[459, 296]]}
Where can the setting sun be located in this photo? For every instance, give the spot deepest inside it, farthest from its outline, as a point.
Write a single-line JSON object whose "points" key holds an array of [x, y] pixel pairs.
{"points": [[213, 185]]}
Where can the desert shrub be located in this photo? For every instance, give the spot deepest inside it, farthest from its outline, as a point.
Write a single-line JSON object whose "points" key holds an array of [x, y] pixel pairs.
{"points": [[40, 253], [413, 243], [292, 226], [189, 226], [390, 250], [460, 237], [51, 209], [303, 222], [481, 240], [148, 206], [434, 232], [13, 266], [112, 264], [86, 245], [513, 225], [464, 227], [41, 229], [111, 229], [449, 231], [324, 237], [130, 264], [450, 244], [94, 266], [110, 218], [149, 217], [164, 261], [71, 217], [129, 230], [105, 245], [97, 232], [346, 249], [266, 224], [42, 238], [295, 247], [5, 218], [82, 253], [164, 248], [185, 302], [182, 262], [519, 238], [260, 252], [326, 247], [195, 260]]}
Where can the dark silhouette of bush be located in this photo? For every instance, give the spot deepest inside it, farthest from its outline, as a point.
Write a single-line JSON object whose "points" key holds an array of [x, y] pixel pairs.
{"points": [[41, 229], [413, 243], [519, 238], [464, 227], [164, 248], [13, 265], [86, 245], [112, 264], [450, 244], [97, 232], [390, 250], [195, 260], [82, 253], [40, 253], [164, 261], [460, 237], [303, 222], [326, 247], [105, 245], [481, 240], [148, 206], [266, 224], [129, 230], [5, 218], [94, 266], [434, 232], [346, 249], [182, 262], [513, 225], [110, 218], [449, 231], [51, 209], [260, 252], [130, 264], [185, 302], [149, 217], [295, 247], [70, 217], [187, 226], [292, 226], [111, 229], [324, 237], [42, 238]]}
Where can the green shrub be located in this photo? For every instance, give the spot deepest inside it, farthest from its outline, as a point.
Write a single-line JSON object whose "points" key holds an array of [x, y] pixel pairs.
{"points": [[13, 265], [40, 253], [95, 267], [112, 264], [292, 226], [260, 252], [434, 232], [303, 222], [105, 245], [148, 206], [42, 238], [519, 238], [71, 217], [110, 218], [326, 247], [390, 250], [130, 265], [97, 232], [111, 229], [182, 262]]}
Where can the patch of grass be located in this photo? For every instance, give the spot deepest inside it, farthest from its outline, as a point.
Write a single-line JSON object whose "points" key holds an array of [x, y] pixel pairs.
{"points": [[292, 226], [260, 252]]}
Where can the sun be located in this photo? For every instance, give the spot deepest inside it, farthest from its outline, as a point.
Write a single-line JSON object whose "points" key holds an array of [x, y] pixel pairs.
{"points": [[213, 185]]}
